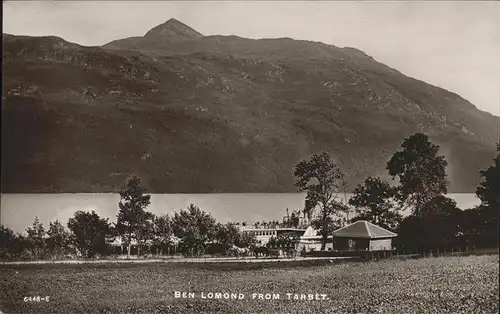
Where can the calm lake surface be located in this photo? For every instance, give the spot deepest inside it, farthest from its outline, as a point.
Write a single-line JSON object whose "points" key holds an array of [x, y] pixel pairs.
{"points": [[19, 210]]}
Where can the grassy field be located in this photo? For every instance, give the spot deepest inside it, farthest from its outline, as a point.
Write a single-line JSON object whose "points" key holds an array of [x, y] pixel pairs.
{"points": [[430, 285]]}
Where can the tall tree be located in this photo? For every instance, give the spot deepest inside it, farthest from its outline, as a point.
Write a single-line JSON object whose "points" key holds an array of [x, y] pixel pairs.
{"points": [[420, 171], [36, 238], [145, 233], [133, 221], [12, 244], [227, 235], [57, 239], [374, 201], [322, 179], [6, 239], [195, 228], [488, 192], [162, 232], [89, 232]]}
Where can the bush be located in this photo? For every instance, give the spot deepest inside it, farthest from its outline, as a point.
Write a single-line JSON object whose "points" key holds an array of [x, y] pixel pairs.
{"points": [[5, 255], [27, 255]]}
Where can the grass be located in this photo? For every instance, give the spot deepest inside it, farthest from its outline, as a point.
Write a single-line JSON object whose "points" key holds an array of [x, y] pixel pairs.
{"points": [[430, 285]]}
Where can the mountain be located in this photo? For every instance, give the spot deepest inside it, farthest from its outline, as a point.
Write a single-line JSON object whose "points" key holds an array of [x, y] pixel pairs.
{"points": [[192, 114], [172, 29], [168, 33]]}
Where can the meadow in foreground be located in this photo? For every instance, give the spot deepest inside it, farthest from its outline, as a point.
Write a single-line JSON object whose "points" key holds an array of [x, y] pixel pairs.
{"points": [[430, 285]]}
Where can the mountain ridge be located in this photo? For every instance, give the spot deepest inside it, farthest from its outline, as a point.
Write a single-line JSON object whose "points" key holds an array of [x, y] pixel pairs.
{"points": [[251, 108], [173, 28]]}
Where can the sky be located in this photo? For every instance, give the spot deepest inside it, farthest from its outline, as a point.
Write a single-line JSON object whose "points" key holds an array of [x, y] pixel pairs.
{"points": [[453, 45]]}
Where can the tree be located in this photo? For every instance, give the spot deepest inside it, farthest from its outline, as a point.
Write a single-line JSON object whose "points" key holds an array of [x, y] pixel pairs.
{"points": [[374, 201], [421, 234], [488, 192], [440, 205], [195, 228], [322, 179], [12, 245], [162, 232], [294, 219], [420, 171], [133, 221], [89, 233], [440, 226], [36, 238], [9, 241], [245, 239], [58, 239], [471, 229], [227, 235], [6, 239], [145, 233]]}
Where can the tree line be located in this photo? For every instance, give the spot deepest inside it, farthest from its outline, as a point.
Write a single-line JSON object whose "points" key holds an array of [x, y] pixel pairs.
{"points": [[419, 186], [89, 235]]}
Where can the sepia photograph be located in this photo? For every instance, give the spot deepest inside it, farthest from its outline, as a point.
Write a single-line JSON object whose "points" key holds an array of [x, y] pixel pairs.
{"points": [[250, 157]]}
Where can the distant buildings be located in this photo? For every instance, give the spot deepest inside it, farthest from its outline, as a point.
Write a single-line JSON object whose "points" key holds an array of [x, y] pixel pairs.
{"points": [[358, 236], [263, 235]]}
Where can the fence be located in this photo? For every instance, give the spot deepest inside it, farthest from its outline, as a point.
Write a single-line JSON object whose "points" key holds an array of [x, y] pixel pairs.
{"points": [[377, 255]]}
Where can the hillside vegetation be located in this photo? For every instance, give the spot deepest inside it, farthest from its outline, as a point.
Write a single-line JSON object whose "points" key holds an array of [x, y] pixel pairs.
{"points": [[193, 113]]}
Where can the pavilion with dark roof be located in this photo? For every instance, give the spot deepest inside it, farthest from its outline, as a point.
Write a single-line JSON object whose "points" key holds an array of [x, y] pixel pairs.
{"points": [[363, 236]]}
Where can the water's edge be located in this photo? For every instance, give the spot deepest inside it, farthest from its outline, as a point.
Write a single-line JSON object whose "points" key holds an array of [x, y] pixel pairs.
{"points": [[19, 210]]}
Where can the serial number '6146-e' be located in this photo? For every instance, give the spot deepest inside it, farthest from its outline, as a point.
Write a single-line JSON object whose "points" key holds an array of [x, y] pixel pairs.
{"points": [[36, 299]]}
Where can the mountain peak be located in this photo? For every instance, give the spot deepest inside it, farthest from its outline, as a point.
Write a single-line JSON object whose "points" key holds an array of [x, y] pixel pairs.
{"points": [[173, 29]]}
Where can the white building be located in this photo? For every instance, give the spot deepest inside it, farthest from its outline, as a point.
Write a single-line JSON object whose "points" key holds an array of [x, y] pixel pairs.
{"points": [[311, 241], [263, 235]]}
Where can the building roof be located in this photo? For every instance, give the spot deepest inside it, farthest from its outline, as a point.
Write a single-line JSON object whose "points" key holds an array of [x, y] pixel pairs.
{"points": [[363, 229], [310, 232], [311, 235]]}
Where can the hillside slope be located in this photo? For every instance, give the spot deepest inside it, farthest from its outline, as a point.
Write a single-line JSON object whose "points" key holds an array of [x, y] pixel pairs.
{"points": [[193, 113]]}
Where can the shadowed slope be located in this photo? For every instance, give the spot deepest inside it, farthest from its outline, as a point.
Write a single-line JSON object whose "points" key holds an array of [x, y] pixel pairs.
{"points": [[216, 114]]}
